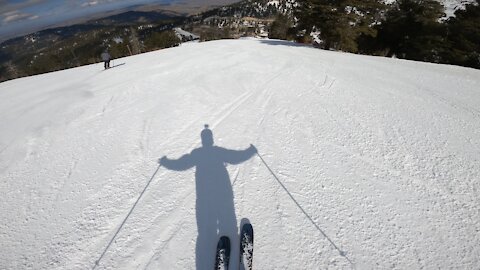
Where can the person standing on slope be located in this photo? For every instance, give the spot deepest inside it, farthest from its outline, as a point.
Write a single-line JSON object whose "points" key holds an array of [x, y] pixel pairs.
{"points": [[215, 211], [106, 57]]}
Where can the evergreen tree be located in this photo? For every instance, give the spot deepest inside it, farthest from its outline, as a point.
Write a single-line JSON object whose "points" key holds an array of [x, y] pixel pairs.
{"points": [[464, 36], [162, 40], [319, 14], [279, 29], [412, 30], [340, 22]]}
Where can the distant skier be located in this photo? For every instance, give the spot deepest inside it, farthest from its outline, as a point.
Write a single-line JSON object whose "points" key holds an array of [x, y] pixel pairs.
{"points": [[215, 211], [106, 57]]}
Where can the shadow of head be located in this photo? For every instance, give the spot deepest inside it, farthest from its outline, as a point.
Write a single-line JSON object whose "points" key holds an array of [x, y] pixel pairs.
{"points": [[207, 137]]}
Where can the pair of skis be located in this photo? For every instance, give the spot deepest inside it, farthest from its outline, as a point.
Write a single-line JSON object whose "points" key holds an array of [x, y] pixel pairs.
{"points": [[222, 256]]}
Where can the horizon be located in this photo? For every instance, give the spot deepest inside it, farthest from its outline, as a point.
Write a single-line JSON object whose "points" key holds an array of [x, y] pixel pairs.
{"points": [[19, 18]]}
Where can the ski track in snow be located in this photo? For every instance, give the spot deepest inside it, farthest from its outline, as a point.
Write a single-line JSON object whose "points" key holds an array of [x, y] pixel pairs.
{"points": [[377, 157]]}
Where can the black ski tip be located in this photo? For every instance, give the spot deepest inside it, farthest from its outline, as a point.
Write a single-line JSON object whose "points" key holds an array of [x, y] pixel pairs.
{"points": [[247, 227], [223, 242]]}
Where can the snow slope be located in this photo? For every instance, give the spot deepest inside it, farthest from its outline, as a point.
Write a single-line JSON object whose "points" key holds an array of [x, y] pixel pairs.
{"points": [[374, 161]]}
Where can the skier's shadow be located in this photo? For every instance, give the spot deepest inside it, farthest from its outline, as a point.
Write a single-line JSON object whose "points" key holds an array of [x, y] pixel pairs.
{"points": [[215, 211]]}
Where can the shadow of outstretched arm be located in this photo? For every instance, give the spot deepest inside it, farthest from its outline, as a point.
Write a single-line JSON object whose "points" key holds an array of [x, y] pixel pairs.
{"points": [[183, 163], [238, 156]]}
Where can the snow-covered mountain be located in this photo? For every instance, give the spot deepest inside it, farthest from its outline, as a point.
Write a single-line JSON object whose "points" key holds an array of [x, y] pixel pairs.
{"points": [[364, 162]]}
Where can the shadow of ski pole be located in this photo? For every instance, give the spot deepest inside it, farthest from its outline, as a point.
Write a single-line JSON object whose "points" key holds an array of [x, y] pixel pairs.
{"points": [[97, 262], [342, 253]]}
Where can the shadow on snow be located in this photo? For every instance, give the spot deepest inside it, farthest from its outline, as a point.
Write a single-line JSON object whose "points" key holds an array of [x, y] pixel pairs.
{"points": [[277, 42], [215, 211]]}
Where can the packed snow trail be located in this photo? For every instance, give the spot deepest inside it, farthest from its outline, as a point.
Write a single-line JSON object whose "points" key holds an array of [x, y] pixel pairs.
{"points": [[377, 157]]}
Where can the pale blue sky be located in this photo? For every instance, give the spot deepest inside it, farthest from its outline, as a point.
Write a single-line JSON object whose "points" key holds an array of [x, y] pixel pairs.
{"points": [[22, 17]]}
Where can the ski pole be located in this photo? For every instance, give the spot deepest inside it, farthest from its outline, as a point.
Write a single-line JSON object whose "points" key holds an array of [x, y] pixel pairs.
{"points": [[342, 253], [97, 262]]}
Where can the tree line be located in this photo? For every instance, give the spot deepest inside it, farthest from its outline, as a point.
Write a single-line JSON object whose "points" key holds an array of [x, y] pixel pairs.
{"points": [[408, 29]]}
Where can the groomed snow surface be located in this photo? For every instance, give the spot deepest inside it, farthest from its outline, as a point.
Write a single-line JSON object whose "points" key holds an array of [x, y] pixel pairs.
{"points": [[375, 162]]}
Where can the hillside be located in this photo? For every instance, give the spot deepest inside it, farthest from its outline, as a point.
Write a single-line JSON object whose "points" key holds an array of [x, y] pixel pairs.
{"points": [[373, 163], [373, 29]]}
